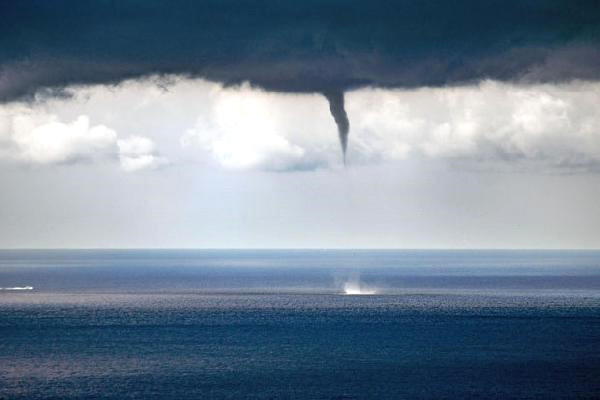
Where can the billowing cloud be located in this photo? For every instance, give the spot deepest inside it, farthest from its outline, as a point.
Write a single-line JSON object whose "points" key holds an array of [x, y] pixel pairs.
{"points": [[551, 125], [543, 127], [138, 153], [32, 136], [246, 128], [40, 138], [490, 124]]}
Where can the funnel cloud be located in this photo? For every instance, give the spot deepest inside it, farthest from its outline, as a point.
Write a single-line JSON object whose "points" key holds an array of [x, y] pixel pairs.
{"points": [[336, 106]]}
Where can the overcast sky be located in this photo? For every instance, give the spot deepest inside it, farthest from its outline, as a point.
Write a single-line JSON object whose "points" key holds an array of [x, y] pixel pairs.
{"points": [[470, 127]]}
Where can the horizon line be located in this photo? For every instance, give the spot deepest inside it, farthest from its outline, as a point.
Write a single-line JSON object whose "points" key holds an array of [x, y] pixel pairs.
{"points": [[300, 248]]}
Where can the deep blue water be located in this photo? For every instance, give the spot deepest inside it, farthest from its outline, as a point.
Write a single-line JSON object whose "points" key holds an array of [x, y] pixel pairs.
{"points": [[278, 325]]}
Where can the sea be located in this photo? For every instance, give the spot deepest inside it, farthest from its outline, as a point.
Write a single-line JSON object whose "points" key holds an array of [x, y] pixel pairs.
{"points": [[299, 324]]}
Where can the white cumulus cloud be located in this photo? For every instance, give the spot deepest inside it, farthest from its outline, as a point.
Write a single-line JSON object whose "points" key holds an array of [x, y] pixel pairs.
{"points": [[41, 138], [543, 127], [246, 128], [138, 153], [555, 125], [491, 123], [33, 136]]}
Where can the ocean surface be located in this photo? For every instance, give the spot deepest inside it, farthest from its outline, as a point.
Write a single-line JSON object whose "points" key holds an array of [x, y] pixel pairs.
{"points": [[139, 324]]}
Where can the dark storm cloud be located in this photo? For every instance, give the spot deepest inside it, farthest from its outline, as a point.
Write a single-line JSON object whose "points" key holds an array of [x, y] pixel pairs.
{"points": [[325, 46], [299, 46]]}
